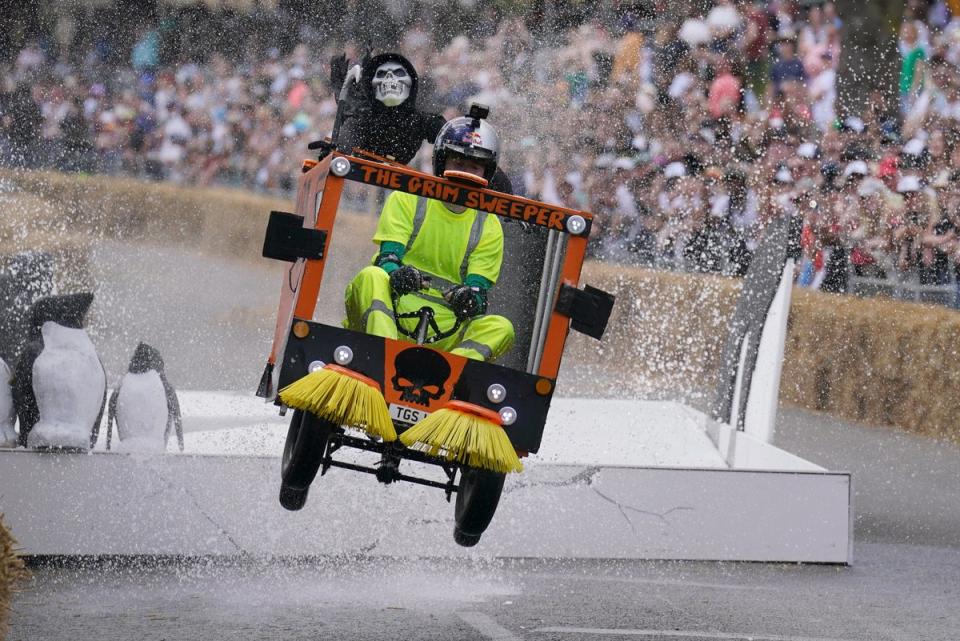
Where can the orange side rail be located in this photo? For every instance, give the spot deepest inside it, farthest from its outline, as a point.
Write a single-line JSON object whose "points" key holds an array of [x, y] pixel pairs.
{"points": [[313, 274], [301, 282], [559, 324]]}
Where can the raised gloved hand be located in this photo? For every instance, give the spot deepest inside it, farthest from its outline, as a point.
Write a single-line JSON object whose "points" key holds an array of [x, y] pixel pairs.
{"points": [[338, 71], [467, 301], [406, 279]]}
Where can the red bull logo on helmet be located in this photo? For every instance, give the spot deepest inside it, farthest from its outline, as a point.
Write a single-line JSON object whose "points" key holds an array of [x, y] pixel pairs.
{"points": [[472, 137]]}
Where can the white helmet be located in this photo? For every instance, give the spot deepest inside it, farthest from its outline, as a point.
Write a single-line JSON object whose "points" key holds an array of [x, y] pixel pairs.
{"points": [[470, 137]]}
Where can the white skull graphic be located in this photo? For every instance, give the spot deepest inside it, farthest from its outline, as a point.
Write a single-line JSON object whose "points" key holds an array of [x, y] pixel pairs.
{"points": [[392, 83]]}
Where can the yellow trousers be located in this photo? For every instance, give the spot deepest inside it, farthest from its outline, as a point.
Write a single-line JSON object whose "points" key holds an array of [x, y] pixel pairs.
{"points": [[370, 309]]}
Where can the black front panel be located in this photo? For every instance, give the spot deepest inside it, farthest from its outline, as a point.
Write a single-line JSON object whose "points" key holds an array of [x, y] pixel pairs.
{"points": [[319, 345], [527, 431], [471, 385]]}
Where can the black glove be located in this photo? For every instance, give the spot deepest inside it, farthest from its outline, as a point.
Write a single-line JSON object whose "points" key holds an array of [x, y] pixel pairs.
{"points": [[467, 301], [406, 279]]}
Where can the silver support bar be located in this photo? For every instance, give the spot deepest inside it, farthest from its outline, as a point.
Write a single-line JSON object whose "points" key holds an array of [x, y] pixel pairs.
{"points": [[556, 264], [541, 297]]}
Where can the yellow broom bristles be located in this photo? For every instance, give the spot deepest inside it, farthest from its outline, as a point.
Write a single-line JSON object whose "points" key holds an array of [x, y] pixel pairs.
{"points": [[466, 438], [341, 399]]}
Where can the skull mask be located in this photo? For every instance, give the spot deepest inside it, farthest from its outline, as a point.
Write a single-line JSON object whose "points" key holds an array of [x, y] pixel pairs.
{"points": [[392, 83], [420, 375]]}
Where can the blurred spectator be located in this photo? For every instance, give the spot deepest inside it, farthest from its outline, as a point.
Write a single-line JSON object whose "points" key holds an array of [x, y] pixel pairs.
{"points": [[912, 66], [21, 119], [914, 220], [756, 46], [788, 67], [76, 153]]}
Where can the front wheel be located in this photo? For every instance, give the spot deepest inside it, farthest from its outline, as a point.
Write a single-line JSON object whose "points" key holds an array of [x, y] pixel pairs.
{"points": [[302, 454], [477, 501]]}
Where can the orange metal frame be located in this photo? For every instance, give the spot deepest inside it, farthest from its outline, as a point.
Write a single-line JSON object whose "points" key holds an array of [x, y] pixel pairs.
{"points": [[403, 178], [301, 284]]}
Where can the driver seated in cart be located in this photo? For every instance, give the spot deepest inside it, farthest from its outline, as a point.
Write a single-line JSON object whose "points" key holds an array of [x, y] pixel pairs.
{"points": [[439, 255]]}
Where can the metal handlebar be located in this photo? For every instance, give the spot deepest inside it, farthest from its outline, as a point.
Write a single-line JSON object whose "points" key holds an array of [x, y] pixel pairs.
{"points": [[426, 317], [425, 323]]}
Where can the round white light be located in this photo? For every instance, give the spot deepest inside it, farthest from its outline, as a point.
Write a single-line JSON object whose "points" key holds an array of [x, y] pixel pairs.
{"points": [[576, 224], [340, 166], [496, 393], [343, 355], [508, 415], [315, 365]]}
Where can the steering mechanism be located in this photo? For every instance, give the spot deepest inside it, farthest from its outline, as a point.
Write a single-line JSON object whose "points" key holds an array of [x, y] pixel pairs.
{"points": [[426, 324]]}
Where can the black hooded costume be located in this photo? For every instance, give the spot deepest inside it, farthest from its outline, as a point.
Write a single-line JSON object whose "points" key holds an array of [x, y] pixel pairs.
{"points": [[370, 125], [397, 132]]}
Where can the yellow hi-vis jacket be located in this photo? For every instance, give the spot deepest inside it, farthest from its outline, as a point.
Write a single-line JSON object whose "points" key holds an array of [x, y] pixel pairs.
{"points": [[443, 245], [447, 247]]}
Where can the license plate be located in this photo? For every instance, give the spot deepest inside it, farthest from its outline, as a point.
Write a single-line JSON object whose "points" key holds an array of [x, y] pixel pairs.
{"points": [[405, 414]]}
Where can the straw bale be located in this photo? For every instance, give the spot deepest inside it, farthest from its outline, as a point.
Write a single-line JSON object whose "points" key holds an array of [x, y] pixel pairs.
{"points": [[12, 573], [223, 221], [666, 331], [45, 207], [879, 361]]}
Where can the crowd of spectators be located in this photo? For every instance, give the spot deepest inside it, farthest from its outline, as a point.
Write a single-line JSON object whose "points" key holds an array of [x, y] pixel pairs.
{"points": [[684, 136]]}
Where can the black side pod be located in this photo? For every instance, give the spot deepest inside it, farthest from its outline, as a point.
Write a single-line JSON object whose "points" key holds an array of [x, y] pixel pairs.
{"points": [[287, 239], [589, 309]]}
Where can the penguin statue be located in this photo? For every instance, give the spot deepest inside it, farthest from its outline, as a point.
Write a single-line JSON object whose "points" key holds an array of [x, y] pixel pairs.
{"points": [[8, 414], [144, 405], [59, 384], [378, 110]]}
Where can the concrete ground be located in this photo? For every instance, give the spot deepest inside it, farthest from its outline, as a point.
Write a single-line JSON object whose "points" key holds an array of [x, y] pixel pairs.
{"points": [[902, 585]]}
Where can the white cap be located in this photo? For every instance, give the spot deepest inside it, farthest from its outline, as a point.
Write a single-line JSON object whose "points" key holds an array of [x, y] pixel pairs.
{"points": [[723, 20], [675, 170], [869, 187], [695, 32], [783, 175], [680, 84], [856, 168], [942, 180], [854, 123], [908, 184], [807, 150], [623, 163], [604, 160], [914, 147]]}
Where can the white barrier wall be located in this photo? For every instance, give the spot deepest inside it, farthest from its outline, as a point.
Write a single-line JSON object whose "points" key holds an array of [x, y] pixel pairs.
{"points": [[764, 396], [107, 503]]}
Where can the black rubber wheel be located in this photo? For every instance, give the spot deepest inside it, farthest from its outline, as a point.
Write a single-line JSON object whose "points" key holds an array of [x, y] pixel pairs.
{"points": [[302, 454], [477, 501]]}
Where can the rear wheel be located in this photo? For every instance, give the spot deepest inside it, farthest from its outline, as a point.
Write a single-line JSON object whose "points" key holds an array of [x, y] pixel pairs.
{"points": [[302, 454], [477, 501]]}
